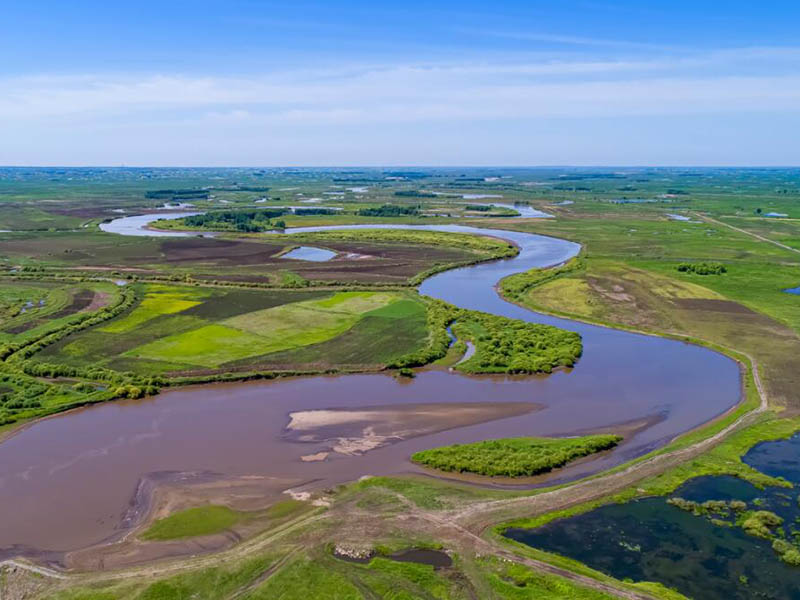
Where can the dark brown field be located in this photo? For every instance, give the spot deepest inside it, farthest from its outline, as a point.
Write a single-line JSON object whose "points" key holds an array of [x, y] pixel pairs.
{"points": [[224, 259]]}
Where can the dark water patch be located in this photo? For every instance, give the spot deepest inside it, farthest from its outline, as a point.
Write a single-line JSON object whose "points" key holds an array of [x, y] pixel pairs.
{"points": [[703, 553], [423, 556], [777, 459]]}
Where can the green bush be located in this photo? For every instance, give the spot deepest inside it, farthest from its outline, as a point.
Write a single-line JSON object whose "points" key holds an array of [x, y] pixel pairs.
{"points": [[703, 268], [513, 457]]}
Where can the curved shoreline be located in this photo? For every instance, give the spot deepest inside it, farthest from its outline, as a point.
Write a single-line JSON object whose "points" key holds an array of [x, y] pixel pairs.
{"points": [[561, 251]]}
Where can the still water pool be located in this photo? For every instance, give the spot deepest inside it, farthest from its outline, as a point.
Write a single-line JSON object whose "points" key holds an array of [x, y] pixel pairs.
{"points": [[650, 540]]}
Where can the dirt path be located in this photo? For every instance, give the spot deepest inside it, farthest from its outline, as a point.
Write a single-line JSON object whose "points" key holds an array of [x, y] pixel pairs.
{"points": [[25, 566], [708, 219]]}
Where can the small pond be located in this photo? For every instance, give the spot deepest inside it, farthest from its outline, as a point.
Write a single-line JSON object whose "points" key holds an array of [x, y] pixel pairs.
{"points": [[795, 291], [702, 556], [310, 253]]}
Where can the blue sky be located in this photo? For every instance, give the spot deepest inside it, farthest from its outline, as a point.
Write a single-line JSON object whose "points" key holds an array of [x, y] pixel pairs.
{"points": [[429, 83]]}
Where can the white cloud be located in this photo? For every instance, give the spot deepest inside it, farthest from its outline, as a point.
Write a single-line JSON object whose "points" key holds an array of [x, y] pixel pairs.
{"points": [[419, 92], [308, 110]]}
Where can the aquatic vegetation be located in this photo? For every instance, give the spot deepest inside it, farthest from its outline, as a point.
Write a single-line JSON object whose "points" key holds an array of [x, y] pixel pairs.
{"points": [[760, 523], [513, 457]]}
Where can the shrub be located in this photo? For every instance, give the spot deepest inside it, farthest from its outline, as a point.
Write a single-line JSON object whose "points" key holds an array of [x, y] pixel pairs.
{"points": [[514, 457], [702, 268]]}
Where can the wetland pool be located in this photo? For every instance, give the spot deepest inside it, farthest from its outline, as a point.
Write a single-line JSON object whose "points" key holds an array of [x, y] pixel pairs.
{"points": [[310, 253], [650, 540]]}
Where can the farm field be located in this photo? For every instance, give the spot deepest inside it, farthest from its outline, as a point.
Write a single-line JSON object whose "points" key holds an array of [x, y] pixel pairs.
{"points": [[29, 308], [361, 258], [181, 329]]}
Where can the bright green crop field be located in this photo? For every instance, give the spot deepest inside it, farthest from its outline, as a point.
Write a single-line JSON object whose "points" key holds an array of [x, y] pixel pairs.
{"points": [[186, 329]]}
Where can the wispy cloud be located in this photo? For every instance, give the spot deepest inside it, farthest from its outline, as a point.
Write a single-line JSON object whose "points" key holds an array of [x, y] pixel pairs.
{"points": [[318, 116], [494, 90], [568, 40]]}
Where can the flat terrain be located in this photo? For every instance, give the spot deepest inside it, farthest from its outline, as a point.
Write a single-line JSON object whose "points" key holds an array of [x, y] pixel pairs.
{"points": [[233, 260], [183, 329], [636, 227]]}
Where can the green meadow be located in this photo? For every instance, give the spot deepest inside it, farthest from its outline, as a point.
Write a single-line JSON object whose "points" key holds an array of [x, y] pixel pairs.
{"points": [[185, 329]]}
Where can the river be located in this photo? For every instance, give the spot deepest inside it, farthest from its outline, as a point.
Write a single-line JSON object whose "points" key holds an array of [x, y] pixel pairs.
{"points": [[71, 481]]}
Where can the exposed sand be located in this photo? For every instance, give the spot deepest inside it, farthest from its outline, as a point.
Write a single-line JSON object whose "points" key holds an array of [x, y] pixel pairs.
{"points": [[353, 432]]}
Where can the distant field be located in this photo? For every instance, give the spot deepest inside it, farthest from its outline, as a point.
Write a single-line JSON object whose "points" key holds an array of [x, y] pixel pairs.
{"points": [[362, 258], [189, 329], [28, 308], [29, 217]]}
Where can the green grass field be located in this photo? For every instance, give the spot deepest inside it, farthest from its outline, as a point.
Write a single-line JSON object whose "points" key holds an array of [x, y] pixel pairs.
{"points": [[160, 300], [192, 522], [182, 328]]}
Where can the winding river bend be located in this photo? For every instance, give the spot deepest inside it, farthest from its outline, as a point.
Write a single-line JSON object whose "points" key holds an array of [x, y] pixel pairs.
{"points": [[78, 479]]}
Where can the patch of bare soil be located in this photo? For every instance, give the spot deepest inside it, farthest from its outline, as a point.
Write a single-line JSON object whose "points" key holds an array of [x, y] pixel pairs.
{"points": [[721, 306], [99, 301], [352, 432]]}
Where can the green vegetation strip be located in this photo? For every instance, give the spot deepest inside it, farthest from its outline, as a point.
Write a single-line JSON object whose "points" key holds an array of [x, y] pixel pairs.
{"points": [[203, 520], [514, 457]]}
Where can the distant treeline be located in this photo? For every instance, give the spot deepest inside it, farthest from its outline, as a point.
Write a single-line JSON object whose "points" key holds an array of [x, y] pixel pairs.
{"points": [[389, 210], [589, 176], [703, 268], [250, 221], [186, 194], [479, 207], [414, 194], [406, 174], [572, 188], [314, 211], [243, 188]]}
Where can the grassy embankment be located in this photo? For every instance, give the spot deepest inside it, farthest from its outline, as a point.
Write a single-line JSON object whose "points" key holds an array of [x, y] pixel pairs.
{"points": [[513, 457], [282, 573]]}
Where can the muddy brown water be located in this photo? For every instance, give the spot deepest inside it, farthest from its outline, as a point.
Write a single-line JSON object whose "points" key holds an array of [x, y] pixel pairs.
{"points": [[71, 481]]}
